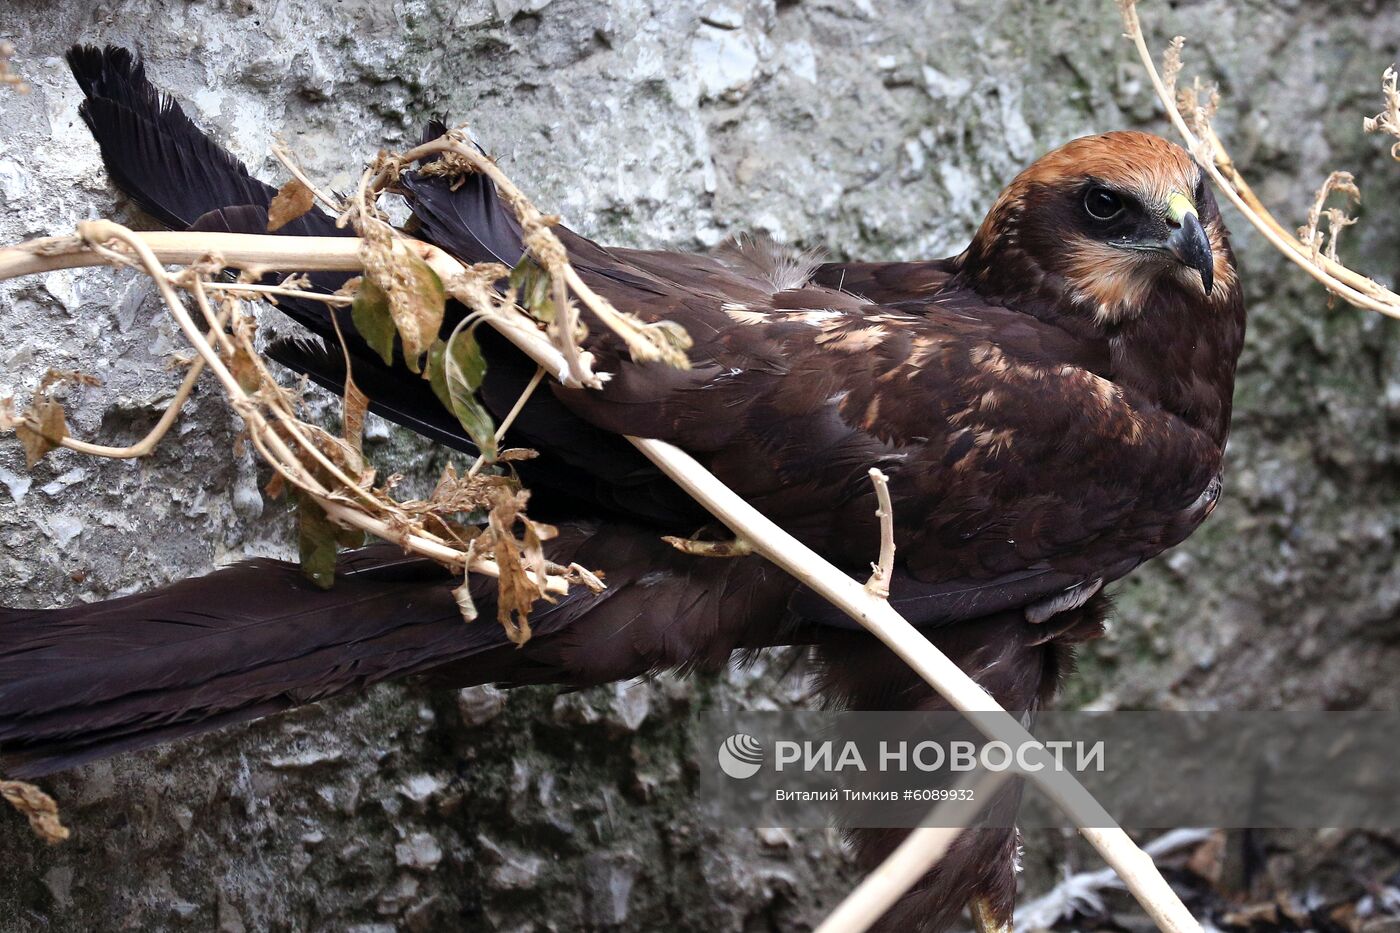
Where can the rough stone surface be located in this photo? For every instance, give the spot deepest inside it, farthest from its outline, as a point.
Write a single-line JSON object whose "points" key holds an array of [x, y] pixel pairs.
{"points": [[871, 128]]}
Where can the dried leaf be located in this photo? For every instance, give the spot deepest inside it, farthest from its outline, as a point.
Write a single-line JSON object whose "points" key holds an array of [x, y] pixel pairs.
{"points": [[8, 78], [517, 589], [294, 200], [356, 403], [56, 377], [735, 547], [38, 806], [465, 604], [1388, 120], [372, 319], [52, 429], [673, 336], [417, 300], [456, 372], [244, 369], [275, 486]]}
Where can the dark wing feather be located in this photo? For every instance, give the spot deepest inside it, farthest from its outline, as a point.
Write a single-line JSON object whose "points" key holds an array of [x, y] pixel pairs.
{"points": [[469, 222], [394, 395], [156, 155], [886, 282], [154, 152], [579, 469]]}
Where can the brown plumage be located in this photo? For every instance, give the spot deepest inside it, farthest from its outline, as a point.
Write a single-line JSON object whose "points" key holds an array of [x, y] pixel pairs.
{"points": [[1051, 408]]}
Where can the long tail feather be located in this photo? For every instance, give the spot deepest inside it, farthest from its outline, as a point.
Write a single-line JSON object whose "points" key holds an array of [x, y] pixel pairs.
{"points": [[237, 644], [256, 638], [155, 153]]}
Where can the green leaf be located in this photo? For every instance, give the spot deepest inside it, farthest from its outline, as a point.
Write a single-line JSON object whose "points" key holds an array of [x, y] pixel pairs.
{"points": [[533, 289], [456, 372], [370, 314], [316, 542], [319, 539]]}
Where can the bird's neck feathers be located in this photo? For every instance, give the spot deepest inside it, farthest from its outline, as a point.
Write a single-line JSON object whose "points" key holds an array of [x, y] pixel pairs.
{"points": [[1167, 340]]}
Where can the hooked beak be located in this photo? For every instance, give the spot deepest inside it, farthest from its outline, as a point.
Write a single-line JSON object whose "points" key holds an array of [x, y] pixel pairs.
{"points": [[1188, 242]]}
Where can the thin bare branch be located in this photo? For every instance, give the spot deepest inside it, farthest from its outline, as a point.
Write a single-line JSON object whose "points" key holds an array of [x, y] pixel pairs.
{"points": [[879, 582], [511, 415]]}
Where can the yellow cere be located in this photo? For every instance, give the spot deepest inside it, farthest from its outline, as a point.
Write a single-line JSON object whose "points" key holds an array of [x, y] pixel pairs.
{"points": [[1178, 206]]}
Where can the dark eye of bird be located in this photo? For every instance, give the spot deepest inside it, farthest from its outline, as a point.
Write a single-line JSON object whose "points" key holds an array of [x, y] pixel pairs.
{"points": [[1102, 204]]}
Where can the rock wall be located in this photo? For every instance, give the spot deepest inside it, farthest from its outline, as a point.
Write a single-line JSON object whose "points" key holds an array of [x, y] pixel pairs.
{"points": [[869, 128]]}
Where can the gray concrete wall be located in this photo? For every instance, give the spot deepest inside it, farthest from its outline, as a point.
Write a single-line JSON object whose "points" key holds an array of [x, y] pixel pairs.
{"points": [[870, 128]]}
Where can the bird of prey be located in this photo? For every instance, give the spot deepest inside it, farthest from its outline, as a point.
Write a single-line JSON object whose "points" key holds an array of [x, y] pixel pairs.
{"points": [[1050, 405]]}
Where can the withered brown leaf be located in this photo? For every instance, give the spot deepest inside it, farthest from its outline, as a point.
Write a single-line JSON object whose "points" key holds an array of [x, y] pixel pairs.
{"points": [[517, 589], [291, 202], [240, 363], [356, 404], [52, 429]]}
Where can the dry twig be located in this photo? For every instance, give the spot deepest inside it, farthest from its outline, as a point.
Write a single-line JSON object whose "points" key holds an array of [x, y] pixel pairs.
{"points": [[1137, 870], [883, 571], [909, 862]]}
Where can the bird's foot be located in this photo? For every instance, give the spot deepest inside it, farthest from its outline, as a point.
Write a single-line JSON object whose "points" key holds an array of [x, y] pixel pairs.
{"points": [[985, 919]]}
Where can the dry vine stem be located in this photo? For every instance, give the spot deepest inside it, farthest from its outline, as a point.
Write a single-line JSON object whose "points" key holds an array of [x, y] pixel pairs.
{"points": [[872, 611], [276, 435], [1210, 152]]}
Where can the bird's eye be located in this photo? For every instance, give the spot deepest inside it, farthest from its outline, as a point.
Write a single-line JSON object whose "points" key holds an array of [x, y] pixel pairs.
{"points": [[1102, 204]]}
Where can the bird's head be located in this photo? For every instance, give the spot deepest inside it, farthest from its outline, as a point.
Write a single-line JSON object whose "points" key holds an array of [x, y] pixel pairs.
{"points": [[1104, 228]]}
